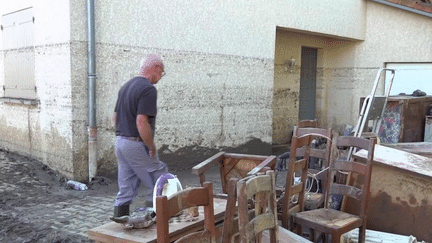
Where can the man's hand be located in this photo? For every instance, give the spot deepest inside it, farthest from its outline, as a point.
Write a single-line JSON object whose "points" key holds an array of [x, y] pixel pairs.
{"points": [[146, 133], [152, 152]]}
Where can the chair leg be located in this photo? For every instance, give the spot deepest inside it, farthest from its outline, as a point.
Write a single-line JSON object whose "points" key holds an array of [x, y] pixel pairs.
{"points": [[299, 229], [335, 238], [321, 238], [312, 234], [362, 235]]}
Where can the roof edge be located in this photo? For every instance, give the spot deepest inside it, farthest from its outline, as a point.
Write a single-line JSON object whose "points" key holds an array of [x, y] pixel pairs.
{"points": [[403, 7]]}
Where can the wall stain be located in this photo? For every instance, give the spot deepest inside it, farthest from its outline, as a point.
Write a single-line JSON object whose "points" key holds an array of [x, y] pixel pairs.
{"points": [[400, 218]]}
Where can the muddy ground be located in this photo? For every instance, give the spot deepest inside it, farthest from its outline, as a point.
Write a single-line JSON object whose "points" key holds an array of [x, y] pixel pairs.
{"points": [[26, 183]]}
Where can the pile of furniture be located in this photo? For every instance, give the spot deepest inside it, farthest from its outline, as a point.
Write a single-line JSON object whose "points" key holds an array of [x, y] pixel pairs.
{"points": [[251, 208]]}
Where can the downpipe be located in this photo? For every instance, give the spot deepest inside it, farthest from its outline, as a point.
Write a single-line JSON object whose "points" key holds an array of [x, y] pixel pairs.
{"points": [[91, 84]]}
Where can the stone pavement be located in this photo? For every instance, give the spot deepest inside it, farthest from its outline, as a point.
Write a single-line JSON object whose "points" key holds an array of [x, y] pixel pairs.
{"points": [[79, 215]]}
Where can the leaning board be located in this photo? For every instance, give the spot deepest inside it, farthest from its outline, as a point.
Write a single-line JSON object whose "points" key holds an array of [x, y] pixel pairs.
{"points": [[113, 232]]}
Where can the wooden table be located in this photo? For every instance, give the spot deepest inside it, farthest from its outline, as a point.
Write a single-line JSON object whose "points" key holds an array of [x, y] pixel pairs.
{"points": [[114, 232], [401, 193], [419, 148]]}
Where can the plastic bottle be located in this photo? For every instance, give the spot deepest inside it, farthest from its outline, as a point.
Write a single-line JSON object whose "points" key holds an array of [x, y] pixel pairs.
{"points": [[77, 185]]}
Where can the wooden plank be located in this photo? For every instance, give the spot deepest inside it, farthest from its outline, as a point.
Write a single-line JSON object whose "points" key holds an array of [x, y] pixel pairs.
{"points": [[297, 188], [419, 148], [299, 165], [207, 164], [373, 236], [399, 159], [114, 232], [246, 156], [346, 191], [285, 236], [268, 162], [344, 165]]}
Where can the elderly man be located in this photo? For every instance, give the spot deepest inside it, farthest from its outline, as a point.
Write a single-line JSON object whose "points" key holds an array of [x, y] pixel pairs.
{"points": [[134, 119]]}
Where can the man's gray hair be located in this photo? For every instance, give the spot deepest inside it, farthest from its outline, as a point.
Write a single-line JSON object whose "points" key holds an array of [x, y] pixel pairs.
{"points": [[149, 60]]}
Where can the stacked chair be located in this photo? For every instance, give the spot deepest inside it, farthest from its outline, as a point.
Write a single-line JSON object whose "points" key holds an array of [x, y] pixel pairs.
{"points": [[330, 223]]}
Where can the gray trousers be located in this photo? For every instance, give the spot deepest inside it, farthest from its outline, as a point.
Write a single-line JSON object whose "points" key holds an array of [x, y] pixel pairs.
{"points": [[135, 167]]}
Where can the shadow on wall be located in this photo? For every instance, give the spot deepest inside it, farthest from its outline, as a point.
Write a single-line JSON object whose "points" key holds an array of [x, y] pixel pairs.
{"points": [[187, 157]]}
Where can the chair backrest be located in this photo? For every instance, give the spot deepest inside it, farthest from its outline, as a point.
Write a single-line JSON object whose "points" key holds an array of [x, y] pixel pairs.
{"points": [[318, 133], [305, 127], [190, 197], [293, 198], [261, 189], [307, 123], [338, 162]]}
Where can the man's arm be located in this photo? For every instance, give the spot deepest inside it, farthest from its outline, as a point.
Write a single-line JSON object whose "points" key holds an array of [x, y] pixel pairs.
{"points": [[114, 119], [146, 133]]}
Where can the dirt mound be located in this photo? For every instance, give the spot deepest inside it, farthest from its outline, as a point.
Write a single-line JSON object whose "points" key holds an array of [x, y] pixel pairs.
{"points": [[187, 157]]}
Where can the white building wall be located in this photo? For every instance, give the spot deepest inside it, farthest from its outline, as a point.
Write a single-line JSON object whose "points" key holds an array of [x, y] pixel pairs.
{"points": [[43, 130]]}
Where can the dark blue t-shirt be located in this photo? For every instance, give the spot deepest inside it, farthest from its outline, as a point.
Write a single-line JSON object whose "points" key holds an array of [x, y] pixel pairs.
{"points": [[137, 97]]}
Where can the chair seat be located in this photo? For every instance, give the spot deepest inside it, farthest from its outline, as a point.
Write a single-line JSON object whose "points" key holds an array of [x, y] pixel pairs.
{"points": [[327, 220]]}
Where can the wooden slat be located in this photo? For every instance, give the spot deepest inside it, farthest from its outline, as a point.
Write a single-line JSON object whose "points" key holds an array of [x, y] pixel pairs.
{"points": [[230, 162], [207, 164], [246, 156], [350, 166], [307, 123], [186, 199], [228, 166], [297, 188], [350, 191], [268, 162], [304, 140], [300, 151], [258, 184], [305, 130], [353, 141], [319, 153], [299, 165], [260, 223]]}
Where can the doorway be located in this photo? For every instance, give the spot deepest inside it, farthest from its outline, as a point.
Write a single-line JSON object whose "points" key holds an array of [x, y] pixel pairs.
{"points": [[308, 73]]}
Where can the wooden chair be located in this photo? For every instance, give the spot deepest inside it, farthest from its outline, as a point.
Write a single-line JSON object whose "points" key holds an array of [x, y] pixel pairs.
{"points": [[260, 189], [233, 166], [190, 197], [294, 194], [225, 232], [316, 200], [329, 221]]}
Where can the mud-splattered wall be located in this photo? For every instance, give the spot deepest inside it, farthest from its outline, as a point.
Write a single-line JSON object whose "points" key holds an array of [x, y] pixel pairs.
{"points": [[203, 100], [224, 63]]}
